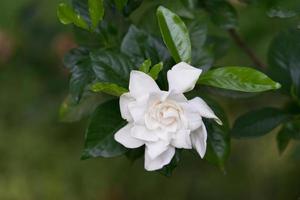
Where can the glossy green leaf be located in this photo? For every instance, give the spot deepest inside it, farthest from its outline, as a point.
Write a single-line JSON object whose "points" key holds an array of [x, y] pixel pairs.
{"points": [[155, 70], [222, 13], [259, 122], [175, 35], [145, 67], [140, 46], [108, 88], [78, 63], [111, 67], [96, 11], [99, 139], [281, 12], [284, 60], [71, 112], [238, 78], [218, 138], [67, 15]]}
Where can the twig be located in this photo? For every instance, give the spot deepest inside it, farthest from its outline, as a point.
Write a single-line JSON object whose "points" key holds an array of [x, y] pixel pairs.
{"points": [[241, 43]]}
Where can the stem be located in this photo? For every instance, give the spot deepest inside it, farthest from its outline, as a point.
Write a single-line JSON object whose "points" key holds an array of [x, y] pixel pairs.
{"points": [[242, 44]]}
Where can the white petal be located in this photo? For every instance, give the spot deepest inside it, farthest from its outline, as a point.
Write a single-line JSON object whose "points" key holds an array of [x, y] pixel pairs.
{"points": [[123, 136], [160, 161], [183, 77], [178, 97], [142, 133], [141, 84], [205, 111], [125, 99], [181, 139], [199, 138], [193, 116], [137, 110], [154, 149]]}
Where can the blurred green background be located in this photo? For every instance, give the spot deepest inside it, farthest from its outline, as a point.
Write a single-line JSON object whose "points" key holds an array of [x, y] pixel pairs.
{"points": [[40, 157]]}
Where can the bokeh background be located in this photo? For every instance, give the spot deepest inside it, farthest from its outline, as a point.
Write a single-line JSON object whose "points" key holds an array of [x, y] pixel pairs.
{"points": [[40, 156]]}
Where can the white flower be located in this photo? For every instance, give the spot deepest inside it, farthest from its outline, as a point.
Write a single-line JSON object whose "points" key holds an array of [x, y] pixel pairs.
{"points": [[164, 120]]}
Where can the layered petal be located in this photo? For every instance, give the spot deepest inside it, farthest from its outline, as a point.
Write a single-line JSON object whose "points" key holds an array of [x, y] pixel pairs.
{"points": [[159, 161], [142, 133], [205, 111], [137, 110], [125, 100], [141, 84], [124, 137], [183, 77], [181, 139], [199, 138], [154, 149]]}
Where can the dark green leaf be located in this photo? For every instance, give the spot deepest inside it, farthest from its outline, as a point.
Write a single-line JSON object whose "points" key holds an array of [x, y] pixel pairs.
{"points": [[96, 11], [175, 35], [108, 88], [67, 15], [134, 154], [78, 62], [71, 112], [99, 139], [281, 12], [218, 138], [259, 122], [238, 78], [112, 67], [140, 45], [131, 6], [284, 60], [222, 13]]}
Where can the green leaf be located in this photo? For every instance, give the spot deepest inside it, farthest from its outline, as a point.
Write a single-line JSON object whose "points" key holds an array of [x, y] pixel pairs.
{"points": [[155, 70], [134, 154], [175, 35], [284, 60], [218, 138], [259, 122], [112, 67], [238, 78], [283, 139], [71, 112], [67, 15], [120, 4], [99, 139], [145, 67], [108, 88], [96, 11], [140, 46], [78, 62], [222, 13]]}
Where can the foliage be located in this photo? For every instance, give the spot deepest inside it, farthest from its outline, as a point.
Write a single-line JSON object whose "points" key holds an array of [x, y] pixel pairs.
{"points": [[113, 41]]}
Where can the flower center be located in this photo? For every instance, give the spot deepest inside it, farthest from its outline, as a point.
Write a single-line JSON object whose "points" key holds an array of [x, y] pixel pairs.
{"points": [[165, 115]]}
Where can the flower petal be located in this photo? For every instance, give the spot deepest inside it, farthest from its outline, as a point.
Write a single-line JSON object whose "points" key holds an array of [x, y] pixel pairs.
{"points": [[183, 77], [142, 133], [193, 116], [199, 138], [141, 84], [205, 111], [123, 136], [137, 110], [154, 149], [160, 161], [181, 139], [125, 100]]}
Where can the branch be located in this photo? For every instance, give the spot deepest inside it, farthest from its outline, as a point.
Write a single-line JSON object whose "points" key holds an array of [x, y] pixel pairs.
{"points": [[241, 43]]}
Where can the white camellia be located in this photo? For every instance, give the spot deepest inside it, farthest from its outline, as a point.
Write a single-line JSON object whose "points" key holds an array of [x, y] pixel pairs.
{"points": [[164, 120]]}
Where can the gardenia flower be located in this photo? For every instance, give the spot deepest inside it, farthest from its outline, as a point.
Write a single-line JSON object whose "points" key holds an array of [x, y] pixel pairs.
{"points": [[164, 120]]}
